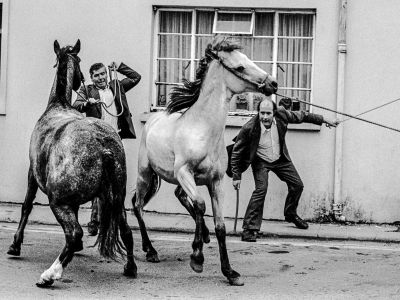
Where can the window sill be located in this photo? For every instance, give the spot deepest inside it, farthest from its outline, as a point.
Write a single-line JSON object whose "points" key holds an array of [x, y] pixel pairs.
{"points": [[240, 120]]}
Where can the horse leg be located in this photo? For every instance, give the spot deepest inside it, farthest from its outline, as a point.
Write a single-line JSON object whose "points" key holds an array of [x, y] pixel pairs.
{"points": [[93, 225], [144, 192], [67, 218], [217, 196], [182, 197], [186, 180], [130, 268], [15, 248]]}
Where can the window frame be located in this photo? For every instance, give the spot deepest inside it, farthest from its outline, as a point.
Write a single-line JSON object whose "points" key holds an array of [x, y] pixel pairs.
{"points": [[215, 31], [3, 56], [276, 37]]}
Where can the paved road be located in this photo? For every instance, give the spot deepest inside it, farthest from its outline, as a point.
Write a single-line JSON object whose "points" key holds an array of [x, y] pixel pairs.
{"points": [[271, 269]]}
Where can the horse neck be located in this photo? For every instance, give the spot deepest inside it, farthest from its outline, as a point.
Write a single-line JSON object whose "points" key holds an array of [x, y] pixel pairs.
{"points": [[211, 108], [61, 91]]}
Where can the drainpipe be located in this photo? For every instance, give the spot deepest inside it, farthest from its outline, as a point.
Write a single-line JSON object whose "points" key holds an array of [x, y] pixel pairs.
{"points": [[342, 49]]}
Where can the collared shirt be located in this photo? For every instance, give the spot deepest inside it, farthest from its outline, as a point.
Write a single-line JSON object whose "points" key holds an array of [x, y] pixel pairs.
{"points": [[107, 97], [268, 148]]}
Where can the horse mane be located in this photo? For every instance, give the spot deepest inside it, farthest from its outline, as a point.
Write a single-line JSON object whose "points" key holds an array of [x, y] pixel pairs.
{"points": [[186, 95]]}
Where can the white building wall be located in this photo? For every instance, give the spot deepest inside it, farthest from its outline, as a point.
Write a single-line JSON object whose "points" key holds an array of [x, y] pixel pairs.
{"points": [[122, 30], [371, 160]]}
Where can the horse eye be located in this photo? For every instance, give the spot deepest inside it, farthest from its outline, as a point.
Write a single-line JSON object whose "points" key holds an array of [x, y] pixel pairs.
{"points": [[240, 69]]}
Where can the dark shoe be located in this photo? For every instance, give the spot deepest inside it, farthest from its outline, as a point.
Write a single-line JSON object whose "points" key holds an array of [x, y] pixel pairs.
{"points": [[92, 228], [249, 236], [299, 222]]}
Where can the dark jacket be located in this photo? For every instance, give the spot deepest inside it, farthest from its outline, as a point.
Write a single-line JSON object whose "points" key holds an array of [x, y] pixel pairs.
{"points": [[245, 148], [125, 124]]}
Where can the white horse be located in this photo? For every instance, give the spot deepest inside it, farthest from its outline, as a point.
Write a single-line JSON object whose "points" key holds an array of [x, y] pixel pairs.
{"points": [[189, 150]]}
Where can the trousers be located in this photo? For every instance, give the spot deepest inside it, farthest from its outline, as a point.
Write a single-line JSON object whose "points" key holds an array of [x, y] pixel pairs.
{"points": [[286, 171]]}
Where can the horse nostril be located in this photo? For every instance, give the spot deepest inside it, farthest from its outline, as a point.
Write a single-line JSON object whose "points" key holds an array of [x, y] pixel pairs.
{"points": [[274, 84]]}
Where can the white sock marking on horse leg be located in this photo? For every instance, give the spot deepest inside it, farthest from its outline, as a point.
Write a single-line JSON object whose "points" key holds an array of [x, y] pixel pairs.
{"points": [[52, 273]]}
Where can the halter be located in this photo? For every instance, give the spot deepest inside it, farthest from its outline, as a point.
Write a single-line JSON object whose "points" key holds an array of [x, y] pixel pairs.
{"points": [[259, 86]]}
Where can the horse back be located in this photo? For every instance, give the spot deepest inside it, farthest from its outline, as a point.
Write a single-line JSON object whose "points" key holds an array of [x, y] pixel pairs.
{"points": [[68, 153]]}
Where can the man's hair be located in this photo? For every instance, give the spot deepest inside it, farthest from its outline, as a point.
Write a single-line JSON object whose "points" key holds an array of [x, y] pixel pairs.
{"points": [[274, 107], [95, 67]]}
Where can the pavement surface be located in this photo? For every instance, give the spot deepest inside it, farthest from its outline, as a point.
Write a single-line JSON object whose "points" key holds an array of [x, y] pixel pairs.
{"points": [[271, 268], [183, 223]]}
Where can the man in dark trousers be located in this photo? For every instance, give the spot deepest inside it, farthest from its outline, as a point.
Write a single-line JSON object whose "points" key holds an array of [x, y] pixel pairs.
{"points": [[261, 144], [107, 100]]}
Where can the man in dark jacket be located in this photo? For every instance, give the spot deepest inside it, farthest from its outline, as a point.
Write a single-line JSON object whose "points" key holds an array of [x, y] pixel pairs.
{"points": [[261, 144], [107, 100]]}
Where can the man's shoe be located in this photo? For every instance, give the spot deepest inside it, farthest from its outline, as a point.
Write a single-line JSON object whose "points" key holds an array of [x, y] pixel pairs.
{"points": [[92, 228], [299, 222], [249, 236]]}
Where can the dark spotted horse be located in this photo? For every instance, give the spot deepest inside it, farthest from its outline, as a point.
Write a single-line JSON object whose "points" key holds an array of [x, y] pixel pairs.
{"points": [[72, 160], [188, 149]]}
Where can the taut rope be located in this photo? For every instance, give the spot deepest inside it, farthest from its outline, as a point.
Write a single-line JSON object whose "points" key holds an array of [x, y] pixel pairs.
{"points": [[344, 114]]}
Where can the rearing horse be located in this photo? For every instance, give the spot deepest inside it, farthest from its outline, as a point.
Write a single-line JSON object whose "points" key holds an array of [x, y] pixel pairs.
{"points": [[72, 160], [189, 150]]}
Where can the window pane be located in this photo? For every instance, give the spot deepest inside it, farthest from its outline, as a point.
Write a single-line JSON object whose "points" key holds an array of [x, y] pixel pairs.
{"points": [[263, 49], [295, 76], [174, 46], [264, 24], [233, 22], [163, 94], [175, 21], [296, 105], [295, 50], [295, 25], [247, 102], [173, 71], [204, 22], [201, 45]]}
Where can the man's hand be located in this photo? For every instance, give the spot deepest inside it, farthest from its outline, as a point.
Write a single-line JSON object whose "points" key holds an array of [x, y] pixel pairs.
{"points": [[331, 123], [92, 101], [113, 65], [236, 184]]}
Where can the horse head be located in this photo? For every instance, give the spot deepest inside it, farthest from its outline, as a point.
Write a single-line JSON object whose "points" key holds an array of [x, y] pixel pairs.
{"points": [[68, 62], [243, 75]]}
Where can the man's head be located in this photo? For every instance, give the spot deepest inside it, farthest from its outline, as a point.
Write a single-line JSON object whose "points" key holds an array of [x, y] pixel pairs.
{"points": [[266, 112], [98, 74]]}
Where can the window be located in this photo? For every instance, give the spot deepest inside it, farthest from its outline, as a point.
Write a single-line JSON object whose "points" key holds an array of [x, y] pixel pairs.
{"points": [[280, 42], [3, 53]]}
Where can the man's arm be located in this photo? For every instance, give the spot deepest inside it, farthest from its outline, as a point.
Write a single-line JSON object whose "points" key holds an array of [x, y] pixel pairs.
{"points": [[80, 102], [305, 117], [132, 77], [241, 145]]}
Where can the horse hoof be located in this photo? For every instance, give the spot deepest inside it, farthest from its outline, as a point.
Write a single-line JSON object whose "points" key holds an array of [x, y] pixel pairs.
{"points": [[130, 271], [237, 281], [13, 250], [198, 268], [152, 257], [44, 283]]}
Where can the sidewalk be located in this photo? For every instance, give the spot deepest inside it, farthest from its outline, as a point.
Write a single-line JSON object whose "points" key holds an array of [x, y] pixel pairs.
{"points": [[183, 223]]}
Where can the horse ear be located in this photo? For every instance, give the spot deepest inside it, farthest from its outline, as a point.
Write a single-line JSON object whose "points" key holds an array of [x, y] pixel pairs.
{"points": [[77, 47], [56, 47]]}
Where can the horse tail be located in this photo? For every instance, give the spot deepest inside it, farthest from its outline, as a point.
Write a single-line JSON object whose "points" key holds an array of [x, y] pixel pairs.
{"points": [[155, 184], [111, 210]]}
